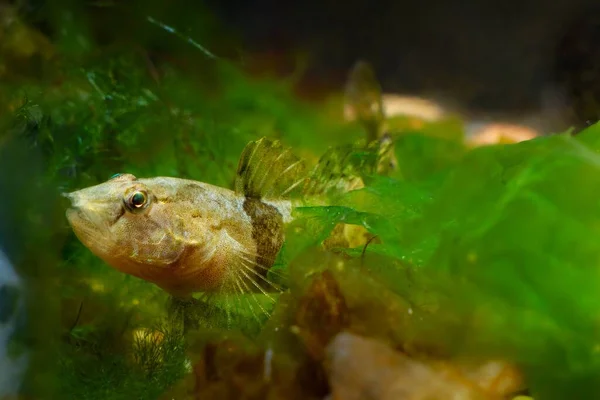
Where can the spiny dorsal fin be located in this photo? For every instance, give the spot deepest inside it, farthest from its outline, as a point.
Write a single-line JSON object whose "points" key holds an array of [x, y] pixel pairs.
{"points": [[342, 169], [364, 100], [386, 156], [268, 170]]}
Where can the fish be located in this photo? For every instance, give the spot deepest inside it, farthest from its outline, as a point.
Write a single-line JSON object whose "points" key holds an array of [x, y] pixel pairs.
{"points": [[187, 236]]}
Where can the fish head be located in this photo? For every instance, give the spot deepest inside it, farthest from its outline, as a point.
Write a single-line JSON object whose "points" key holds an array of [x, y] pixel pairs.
{"points": [[127, 223]]}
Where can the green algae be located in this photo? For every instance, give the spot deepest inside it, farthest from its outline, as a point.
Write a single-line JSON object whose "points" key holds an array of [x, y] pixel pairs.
{"points": [[97, 111], [523, 243], [513, 260], [482, 253], [501, 257]]}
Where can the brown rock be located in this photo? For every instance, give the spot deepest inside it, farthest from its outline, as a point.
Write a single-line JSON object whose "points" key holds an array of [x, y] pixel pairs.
{"points": [[322, 313], [366, 369]]}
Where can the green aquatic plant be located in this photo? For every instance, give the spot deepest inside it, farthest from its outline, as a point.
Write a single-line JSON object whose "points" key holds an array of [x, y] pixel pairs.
{"points": [[96, 112], [456, 254], [507, 259]]}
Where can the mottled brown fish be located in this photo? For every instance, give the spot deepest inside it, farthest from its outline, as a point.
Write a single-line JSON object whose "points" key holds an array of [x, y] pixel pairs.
{"points": [[191, 237], [187, 236]]}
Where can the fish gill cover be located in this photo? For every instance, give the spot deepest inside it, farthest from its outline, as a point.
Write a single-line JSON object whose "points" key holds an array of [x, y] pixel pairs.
{"points": [[471, 255]]}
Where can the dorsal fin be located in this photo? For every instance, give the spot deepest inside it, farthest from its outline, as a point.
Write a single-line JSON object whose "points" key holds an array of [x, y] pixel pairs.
{"points": [[342, 169], [268, 170]]}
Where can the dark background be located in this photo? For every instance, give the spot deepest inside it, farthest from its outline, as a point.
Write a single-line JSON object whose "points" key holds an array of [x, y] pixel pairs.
{"points": [[486, 56], [489, 55]]}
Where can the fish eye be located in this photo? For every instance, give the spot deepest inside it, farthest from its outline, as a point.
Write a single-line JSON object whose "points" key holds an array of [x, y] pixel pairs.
{"points": [[137, 201]]}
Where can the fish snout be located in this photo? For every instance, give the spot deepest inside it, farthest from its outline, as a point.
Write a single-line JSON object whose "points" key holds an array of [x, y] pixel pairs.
{"points": [[68, 196], [73, 200]]}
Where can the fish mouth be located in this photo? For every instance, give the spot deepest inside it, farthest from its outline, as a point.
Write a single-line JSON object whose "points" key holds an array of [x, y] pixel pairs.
{"points": [[83, 225], [75, 204], [72, 211], [69, 196], [82, 218], [76, 214]]}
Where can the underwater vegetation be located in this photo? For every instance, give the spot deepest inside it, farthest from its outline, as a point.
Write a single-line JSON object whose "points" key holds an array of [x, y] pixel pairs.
{"points": [[426, 269]]}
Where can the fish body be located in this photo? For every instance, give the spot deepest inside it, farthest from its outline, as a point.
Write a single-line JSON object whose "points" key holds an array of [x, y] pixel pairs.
{"points": [[184, 236], [187, 236]]}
